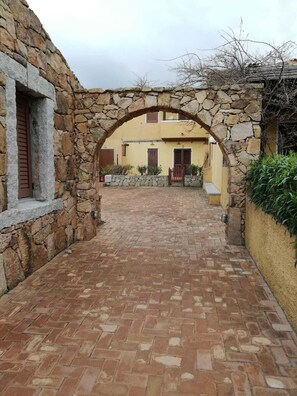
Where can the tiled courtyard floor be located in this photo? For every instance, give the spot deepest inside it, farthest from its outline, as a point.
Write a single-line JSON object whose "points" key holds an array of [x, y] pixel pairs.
{"points": [[156, 304]]}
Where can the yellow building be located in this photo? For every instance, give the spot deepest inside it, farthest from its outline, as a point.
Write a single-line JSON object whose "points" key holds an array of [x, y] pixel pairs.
{"points": [[156, 139], [167, 140]]}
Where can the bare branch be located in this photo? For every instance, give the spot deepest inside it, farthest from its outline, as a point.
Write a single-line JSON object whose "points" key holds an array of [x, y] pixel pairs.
{"points": [[239, 60]]}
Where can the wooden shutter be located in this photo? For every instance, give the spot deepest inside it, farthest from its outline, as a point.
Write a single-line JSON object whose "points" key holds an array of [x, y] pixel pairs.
{"points": [[187, 157], [182, 157], [152, 157], [23, 140], [152, 117], [177, 157]]}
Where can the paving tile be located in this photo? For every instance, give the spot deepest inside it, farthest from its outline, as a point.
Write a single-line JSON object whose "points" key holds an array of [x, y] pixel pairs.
{"points": [[156, 304]]}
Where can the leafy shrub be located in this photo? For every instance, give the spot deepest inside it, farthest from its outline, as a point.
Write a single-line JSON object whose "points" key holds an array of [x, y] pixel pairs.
{"points": [[141, 169], [116, 169], [272, 183], [193, 170], [154, 170]]}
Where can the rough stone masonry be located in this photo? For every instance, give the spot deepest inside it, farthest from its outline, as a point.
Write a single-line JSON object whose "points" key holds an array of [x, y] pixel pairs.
{"points": [[70, 130]]}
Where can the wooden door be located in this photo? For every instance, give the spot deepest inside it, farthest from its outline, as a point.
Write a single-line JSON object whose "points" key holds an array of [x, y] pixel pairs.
{"points": [[106, 157], [152, 157], [182, 157]]}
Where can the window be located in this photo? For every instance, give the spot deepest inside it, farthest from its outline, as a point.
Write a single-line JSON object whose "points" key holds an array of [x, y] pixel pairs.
{"points": [[152, 118], [182, 117], [24, 147], [168, 116], [30, 128]]}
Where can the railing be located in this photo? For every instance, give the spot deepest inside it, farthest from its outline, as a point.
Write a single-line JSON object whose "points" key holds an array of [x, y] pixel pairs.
{"points": [[176, 175]]}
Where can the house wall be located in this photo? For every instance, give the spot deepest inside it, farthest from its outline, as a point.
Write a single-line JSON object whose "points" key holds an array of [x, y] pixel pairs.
{"points": [[140, 136], [33, 231], [270, 138], [273, 250], [215, 172]]}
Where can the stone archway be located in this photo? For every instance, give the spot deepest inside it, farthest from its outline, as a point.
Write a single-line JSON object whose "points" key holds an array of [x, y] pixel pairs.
{"points": [[231, 114]]}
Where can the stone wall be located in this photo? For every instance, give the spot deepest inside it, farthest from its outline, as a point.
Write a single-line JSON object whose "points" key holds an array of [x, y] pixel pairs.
{"points": [[34, 232], [231, 114], [150, 181], [70, 125]]}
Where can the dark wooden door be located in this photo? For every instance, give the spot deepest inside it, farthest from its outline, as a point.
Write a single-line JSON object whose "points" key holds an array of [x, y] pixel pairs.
{"points": [[182, 157], [152, 157], [106, 157]]}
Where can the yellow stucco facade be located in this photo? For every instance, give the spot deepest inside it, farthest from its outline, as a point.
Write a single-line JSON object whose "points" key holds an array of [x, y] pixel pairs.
{"points": [[131, 141], [273, 250]]}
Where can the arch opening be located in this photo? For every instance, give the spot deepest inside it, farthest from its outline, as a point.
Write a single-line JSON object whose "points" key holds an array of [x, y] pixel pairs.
{"points": [[223, 113]]}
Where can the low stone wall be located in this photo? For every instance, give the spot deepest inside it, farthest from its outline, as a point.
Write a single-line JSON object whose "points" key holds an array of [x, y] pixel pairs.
{"points": [[273, 250], [193, 181], [150, 181]]}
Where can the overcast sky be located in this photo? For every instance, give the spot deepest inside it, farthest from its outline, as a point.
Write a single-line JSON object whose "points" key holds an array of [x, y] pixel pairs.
{"points": [[108, 42]]}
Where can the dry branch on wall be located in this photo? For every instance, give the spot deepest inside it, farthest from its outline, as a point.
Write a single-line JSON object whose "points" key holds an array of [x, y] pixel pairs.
{"points": [[242, 60]]}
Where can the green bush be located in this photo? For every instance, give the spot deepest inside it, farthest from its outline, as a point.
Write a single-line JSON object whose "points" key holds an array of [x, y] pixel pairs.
{"points": [[141, 169], [154, 170], [116, 169], [272, 183], [193, 170]]}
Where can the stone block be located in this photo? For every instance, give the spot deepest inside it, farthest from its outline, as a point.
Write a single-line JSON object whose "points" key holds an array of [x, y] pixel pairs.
{"points": [[201, 96], [84, 206], [66, 145], [234, 227], [7, 39], [150, 101], [136, 106], [3, 198], [164, 99], [223, 98], [60, 239], [24, 251], [208, 104], [242, 131], [61, 169], [3, 285], [5, 240], [41, 235], [103, 99], [13, 269], [192, 108], [220, 131], [254, 146], [39, 256], [2, 164], [50, 246], [253, 107], [124, 103], [2, 139]]}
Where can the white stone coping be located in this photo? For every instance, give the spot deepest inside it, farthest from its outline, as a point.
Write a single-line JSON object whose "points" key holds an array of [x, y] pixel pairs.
{"points": [[211, 189], [28, 209]]}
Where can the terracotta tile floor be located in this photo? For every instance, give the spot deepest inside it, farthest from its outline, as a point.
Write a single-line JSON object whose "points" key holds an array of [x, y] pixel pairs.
{"points": [[156, 304]]}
